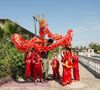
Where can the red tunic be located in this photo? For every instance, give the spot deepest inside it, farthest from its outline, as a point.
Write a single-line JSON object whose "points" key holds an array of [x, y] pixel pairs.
{"points": [[67, 65], [37, 68], [55, 68], [34, 57], [28, 58], [76, 68]]}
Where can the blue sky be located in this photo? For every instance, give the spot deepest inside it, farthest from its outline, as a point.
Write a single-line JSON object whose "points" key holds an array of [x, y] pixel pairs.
{"points": [[83, 16]]}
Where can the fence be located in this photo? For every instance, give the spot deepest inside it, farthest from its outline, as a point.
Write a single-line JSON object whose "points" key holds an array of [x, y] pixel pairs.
{"points": [[92, 64]]}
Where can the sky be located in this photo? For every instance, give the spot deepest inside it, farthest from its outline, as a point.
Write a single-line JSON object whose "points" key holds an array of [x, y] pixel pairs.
{"points": [[83, 16]]}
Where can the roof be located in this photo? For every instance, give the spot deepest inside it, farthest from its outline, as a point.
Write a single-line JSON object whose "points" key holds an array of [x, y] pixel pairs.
{"points": [[22, 29]]}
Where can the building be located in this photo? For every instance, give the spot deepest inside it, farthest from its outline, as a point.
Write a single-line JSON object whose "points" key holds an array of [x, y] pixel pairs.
{"points": [[20, 30]]}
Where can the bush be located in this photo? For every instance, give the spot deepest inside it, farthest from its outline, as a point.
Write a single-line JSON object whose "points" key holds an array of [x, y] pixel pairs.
{"points": [[17, 65], [11, 61]]}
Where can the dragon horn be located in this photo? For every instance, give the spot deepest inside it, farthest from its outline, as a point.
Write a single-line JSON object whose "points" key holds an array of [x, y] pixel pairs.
{"points": [[39, 19]]}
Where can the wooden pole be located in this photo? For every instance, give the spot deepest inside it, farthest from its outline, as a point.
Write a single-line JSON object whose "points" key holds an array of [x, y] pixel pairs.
{"points": [[35, 24]]}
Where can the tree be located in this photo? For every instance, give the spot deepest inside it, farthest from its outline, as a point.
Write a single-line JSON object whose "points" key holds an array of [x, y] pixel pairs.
{"points": [[10, 59], [1, 33], [9, 27], [94, 46]]}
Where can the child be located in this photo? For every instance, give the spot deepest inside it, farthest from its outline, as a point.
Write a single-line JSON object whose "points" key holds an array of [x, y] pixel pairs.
{"points": [[76, 67], [55, 67], [37, 63], [28, 58], [67, 66]]}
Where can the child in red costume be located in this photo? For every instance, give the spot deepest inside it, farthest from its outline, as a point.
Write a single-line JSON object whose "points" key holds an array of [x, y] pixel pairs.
{"points": [[37, 69], [76, 74], [67, 65], [55, 67], [34, 57], [28, 58]]}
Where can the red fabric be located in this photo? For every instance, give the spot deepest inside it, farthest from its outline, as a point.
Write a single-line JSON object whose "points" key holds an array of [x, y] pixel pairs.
{"points": [[43, 31], [28, 58], [76, 68], [23, 45], [64, 41], [37, 68], [34, 57], [68, 37], [66, 56], [66, 77], [55, 68], [27, 70]]}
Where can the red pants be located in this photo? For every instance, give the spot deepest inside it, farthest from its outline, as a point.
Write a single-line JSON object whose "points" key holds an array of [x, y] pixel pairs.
{"points": [[55, 73], [66, 77], [29, 69], [76, 74], [37, 71]]}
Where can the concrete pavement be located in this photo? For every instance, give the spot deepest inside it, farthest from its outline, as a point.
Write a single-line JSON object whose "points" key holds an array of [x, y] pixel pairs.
{"points": [[87, 82]]}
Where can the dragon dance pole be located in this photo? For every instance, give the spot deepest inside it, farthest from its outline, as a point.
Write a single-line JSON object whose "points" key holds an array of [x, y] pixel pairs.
{"points": [[35, 24]]}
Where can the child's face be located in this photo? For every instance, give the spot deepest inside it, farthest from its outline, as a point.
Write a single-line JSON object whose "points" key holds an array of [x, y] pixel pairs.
{"points": [[55, 56]]}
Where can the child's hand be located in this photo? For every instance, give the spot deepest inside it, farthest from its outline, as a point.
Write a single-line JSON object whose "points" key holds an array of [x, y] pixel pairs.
{"points": [[53, 66]]}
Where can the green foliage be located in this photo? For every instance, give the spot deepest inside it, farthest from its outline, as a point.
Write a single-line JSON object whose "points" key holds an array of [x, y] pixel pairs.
{"points": [[17, 64], [11, 61], [50, 55], [9, 27], [95, 46], [56, 50], [4, 60], [1, 33]]}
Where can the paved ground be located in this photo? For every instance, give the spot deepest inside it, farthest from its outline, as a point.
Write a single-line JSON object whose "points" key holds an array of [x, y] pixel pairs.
{"points": [[87, 82]]}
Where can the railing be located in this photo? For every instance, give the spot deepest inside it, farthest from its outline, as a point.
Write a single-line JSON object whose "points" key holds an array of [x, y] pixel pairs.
{"points": [[92, 64]]}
